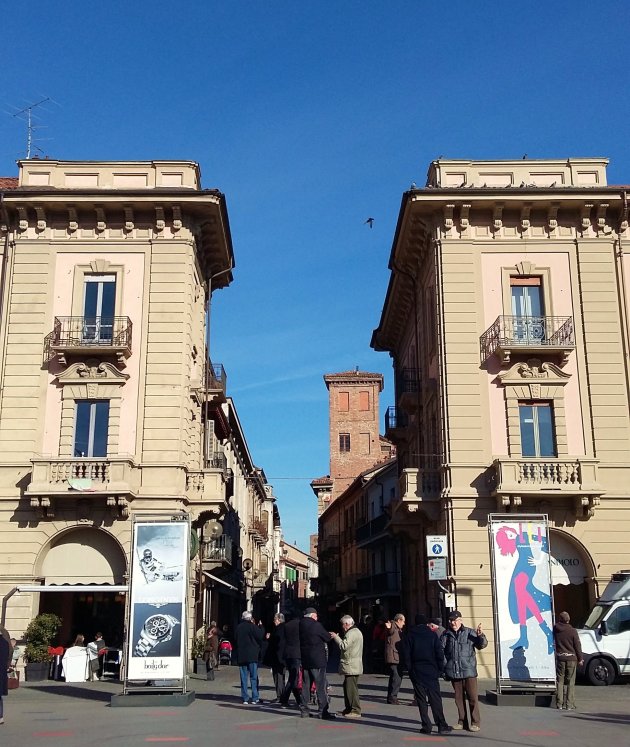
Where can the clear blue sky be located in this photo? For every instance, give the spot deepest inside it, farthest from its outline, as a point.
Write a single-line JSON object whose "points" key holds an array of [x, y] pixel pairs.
{"points": [[312, 117]]}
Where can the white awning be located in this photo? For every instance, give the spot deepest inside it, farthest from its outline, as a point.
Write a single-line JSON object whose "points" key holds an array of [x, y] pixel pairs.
{"points": [[220, 580], [71, 587]]}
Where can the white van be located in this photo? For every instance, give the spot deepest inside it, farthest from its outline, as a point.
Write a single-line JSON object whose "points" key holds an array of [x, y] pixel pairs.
{"points": [[605, 637]]}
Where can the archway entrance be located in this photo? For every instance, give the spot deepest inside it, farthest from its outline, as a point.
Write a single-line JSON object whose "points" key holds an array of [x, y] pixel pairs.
{"points": [[569, 574], [78, 559]]}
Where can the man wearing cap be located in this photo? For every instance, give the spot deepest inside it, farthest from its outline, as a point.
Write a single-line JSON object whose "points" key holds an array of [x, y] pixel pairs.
{"points": [[351, 665], [423, 656], [313, 640], [460, 646]]}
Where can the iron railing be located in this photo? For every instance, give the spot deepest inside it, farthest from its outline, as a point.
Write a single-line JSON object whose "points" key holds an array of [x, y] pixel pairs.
{"points": [[218, 550], [373, 528], [395, 418], [379, 583], [408, 381], [522, 332], [83, 332]]}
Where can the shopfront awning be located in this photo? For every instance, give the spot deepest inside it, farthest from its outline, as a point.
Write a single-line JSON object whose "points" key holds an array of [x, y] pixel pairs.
{"points": [[220, 580], [70, 587]]}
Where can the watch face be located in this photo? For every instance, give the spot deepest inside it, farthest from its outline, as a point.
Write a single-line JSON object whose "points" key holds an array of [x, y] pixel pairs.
{"points": [[157, 626]]}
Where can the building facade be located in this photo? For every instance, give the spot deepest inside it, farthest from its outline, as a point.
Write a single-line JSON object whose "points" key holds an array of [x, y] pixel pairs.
{"points": [[296, 570], [506, 317], [110, 405]]}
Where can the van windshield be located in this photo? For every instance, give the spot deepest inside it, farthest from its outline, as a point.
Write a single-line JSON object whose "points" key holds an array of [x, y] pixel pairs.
{"points": [[597, 614]]}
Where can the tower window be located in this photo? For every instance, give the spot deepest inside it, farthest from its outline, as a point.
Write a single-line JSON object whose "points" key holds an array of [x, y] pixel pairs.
{"points": [[344, 442]]}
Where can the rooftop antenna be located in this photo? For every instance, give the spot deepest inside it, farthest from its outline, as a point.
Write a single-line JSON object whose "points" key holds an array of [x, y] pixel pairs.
{"points": [[27, 114]]}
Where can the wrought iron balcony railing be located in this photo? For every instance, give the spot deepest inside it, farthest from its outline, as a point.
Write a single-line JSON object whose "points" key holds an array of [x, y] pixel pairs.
{"points": [[82, 334], [217, 550], [367, 533], [395, 419], [379, 583], [530, 334]]}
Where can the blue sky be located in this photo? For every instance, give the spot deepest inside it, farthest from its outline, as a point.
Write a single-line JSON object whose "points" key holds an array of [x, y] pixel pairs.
{"points": [[312, 117]]}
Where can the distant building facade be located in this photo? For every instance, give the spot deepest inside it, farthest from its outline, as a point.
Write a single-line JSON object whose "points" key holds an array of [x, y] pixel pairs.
{"points": [[506, 316], [296, 571]]}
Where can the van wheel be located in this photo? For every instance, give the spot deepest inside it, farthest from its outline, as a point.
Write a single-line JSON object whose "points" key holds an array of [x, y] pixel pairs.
{"points": [[600, 672]]}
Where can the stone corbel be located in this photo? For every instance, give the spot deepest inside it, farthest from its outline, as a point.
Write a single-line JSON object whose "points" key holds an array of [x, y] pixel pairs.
{"points": [[552, 217], [73, 220], [101, 223], [525, 217], [43, 507], [160, 223], [129, 224], [601, 217], [22, 219], [448, 217], [41, 219], [585, 216], [585, 506], [497, 218], [509, 502], [177, 218], [464, 217]]}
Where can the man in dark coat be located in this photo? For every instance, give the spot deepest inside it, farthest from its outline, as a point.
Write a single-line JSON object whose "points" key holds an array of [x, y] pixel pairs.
{"points": [[424, 658], [274, 655], [292, 656], [568, 656], [460, 648], [249, 638], [313, 640], [5, 660]]}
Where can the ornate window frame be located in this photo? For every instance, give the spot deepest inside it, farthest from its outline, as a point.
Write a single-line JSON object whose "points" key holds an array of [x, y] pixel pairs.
{"points": [[535, 380], [525, 268], [93, 379], [96, 267]]}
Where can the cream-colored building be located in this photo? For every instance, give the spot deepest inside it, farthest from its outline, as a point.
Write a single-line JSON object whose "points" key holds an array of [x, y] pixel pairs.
{"points": [[506, 316], [110, 404]]}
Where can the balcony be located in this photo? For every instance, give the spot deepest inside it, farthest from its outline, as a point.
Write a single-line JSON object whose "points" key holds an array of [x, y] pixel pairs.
{"points": [[407, 388], [328, 546], [216, 552], [528, 334], [420, 490], [95, 336], [210, 384], [372, 532], [396, 424], [114, 478], [258, 530], [511, 480], [380, 584], [208, 485]]}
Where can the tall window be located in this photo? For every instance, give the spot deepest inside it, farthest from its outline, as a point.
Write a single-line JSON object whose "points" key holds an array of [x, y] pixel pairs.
{"points": [[364, 400], [344, 442], [90, 428], [99, 302], [527, 308], [537, 429], [344, 401]]}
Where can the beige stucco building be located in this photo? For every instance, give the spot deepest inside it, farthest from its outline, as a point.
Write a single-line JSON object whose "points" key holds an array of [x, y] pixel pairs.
{"points": [[110, 404], [506, 317]]}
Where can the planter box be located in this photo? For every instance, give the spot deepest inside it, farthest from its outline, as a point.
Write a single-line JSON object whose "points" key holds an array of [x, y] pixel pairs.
{"points": [[37, 671]]}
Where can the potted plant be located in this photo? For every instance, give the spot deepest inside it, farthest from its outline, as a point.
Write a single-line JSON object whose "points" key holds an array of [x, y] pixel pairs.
{"points": [[39, 637], [197, 649]]}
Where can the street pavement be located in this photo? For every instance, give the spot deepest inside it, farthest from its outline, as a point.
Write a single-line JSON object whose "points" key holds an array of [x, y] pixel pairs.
{"points": [[73, 715]]}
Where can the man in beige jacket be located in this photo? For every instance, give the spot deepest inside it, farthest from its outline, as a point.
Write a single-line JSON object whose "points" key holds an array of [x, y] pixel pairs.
{"points": [[351, 665]]}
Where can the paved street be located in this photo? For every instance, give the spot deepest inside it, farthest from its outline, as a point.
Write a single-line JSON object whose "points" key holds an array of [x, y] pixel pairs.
{"points": [[54, 713]]}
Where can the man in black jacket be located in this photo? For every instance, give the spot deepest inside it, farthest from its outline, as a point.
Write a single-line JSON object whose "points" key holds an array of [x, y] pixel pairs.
{"points": [[313, 640], [423, 656], [292, 656], [274, 655], [249, 638]]}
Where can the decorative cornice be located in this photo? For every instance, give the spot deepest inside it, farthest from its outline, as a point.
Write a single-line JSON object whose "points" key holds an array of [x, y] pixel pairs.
{"points": [[534, 369], [101, 371]]}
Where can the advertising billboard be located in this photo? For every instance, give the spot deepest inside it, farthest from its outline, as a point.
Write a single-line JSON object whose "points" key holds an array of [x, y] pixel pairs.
{"points": [[522, 595], [157, 602]]}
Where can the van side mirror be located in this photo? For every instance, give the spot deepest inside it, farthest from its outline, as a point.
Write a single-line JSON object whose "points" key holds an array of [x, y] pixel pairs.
{"points": [[603, 627]]}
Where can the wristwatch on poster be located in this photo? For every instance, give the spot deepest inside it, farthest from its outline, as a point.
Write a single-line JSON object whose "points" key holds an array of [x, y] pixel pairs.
{"points": [[156, 629]]}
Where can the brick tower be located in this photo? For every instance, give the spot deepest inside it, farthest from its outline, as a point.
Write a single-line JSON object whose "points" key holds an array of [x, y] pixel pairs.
{"points": [[355, 443]]}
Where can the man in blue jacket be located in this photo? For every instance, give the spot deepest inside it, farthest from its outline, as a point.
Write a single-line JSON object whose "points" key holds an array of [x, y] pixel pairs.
{"points": [[423, 656], [460, 648]]}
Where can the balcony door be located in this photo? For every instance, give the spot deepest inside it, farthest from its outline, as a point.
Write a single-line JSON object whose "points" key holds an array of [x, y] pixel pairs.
{"points": [[527, 310], [90, 428], [99, 308]]}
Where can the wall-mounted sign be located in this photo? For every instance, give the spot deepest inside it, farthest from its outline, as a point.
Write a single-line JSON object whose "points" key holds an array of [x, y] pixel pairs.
{"points": [[436, 546], [437, 569]]}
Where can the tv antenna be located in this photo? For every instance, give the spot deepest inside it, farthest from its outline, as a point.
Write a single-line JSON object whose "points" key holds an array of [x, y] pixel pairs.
{"points": [[27, 114]]}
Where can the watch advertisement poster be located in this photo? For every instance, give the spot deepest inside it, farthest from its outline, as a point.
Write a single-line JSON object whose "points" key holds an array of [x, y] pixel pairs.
{"points": [[157, 624], [523, 600]]}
